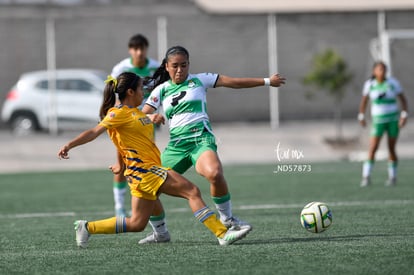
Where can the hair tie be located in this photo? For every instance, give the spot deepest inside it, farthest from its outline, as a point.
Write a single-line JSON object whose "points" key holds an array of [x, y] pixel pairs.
{"points": [[110, 78]]}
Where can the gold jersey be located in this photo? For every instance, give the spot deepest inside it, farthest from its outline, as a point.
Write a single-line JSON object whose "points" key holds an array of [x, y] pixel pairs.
{"points": [[132, 132]]}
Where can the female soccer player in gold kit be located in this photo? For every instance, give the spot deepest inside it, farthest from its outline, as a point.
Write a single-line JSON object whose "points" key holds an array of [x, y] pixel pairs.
{"points": [[132, 132]]}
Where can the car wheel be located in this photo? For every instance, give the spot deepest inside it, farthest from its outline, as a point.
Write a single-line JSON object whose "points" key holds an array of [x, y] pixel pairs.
{"points": [[23, 124]]}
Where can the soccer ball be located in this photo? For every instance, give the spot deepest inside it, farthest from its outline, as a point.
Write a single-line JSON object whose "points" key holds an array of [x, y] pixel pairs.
{"points": [[316, 217]]}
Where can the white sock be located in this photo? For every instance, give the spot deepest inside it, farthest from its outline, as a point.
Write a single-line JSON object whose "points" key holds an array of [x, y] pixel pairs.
{"points": [[119, 194], [158, 224], [224, 210], [392, 169], [367, 168], [223, 205]]}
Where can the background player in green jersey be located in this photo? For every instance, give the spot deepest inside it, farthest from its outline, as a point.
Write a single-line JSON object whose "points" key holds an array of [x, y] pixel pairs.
{"points": [[192, 143], [143, 66], [138, 62], [383, 93]]}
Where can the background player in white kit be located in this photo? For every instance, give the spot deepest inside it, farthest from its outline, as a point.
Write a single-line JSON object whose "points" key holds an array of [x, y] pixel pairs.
{"points": [[383, 93], [143, 66]]}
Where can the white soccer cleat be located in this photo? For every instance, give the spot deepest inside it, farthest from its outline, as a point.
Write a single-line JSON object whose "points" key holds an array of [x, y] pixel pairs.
{"points": [[155, 238], [235, 223], [82, 234], [365, 182], [232, 235], [391, 182]]}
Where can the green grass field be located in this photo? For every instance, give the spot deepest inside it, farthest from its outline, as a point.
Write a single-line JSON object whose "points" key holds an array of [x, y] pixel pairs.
{"points": [[372, 231]]}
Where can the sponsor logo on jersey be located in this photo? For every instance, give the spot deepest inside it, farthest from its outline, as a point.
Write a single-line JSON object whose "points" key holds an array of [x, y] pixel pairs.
{"points": [[145, 120], [194, 130], [154, 99]]}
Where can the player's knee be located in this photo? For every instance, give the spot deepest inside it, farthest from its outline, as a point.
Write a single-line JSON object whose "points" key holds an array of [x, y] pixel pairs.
{"points": [[214, 174], [188, 190], [193, 192]]}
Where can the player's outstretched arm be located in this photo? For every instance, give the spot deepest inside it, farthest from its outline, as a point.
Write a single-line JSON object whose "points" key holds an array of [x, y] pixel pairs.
{"points": [[147, 109], [83, 138], [275, 80], [157, 119]]}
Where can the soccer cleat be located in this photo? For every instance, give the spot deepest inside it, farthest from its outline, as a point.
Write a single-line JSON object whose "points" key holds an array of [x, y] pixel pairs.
{"points": [[232, 235], [82, 234], [391, 182], [120, 212], [235, 223], [153, 237], [365, 182]]}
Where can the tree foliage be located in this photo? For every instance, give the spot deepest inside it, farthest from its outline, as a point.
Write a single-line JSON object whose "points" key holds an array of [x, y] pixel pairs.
{"points": [[329, 73]]}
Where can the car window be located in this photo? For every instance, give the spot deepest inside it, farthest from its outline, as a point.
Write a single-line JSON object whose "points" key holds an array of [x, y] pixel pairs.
{"points": [[74, 85], [68, 85], [43, 84]]}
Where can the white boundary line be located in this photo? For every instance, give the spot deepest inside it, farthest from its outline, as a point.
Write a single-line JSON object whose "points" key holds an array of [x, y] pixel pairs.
{"points": [[242, 207]]}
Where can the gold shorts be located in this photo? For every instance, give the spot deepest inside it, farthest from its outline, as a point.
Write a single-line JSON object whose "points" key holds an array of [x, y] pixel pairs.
{"points": [[145, 182]]}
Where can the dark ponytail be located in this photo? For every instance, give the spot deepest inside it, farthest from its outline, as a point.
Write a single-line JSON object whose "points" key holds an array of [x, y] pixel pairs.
{"points": [[119, 86], [108, 99], [161, 75]]}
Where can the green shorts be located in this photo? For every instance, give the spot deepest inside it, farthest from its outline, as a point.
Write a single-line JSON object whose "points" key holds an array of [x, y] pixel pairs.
{"points": [[181, 155], [391, 128]]}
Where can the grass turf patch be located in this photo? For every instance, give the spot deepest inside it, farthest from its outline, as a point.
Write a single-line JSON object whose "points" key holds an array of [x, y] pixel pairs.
{"points": [[371, 231]]}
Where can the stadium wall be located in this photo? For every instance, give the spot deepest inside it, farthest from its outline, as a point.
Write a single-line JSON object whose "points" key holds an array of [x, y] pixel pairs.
{"points": [[96, 37]]}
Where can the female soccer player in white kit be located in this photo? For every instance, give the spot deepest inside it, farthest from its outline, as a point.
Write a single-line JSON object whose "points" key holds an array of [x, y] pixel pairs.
{"points": [[183, 98], [383, 93]]}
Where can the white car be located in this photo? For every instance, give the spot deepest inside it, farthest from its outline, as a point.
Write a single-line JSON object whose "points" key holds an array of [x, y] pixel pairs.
{"points": [[29, 106]]}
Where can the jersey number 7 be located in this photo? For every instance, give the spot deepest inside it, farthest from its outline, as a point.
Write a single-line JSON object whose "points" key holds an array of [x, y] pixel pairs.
{"points": [[177, 98]]}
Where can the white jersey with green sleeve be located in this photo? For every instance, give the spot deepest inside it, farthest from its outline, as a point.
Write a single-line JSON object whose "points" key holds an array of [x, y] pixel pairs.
{"points": [[383, 97], [185, 104], [127, 66]]}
